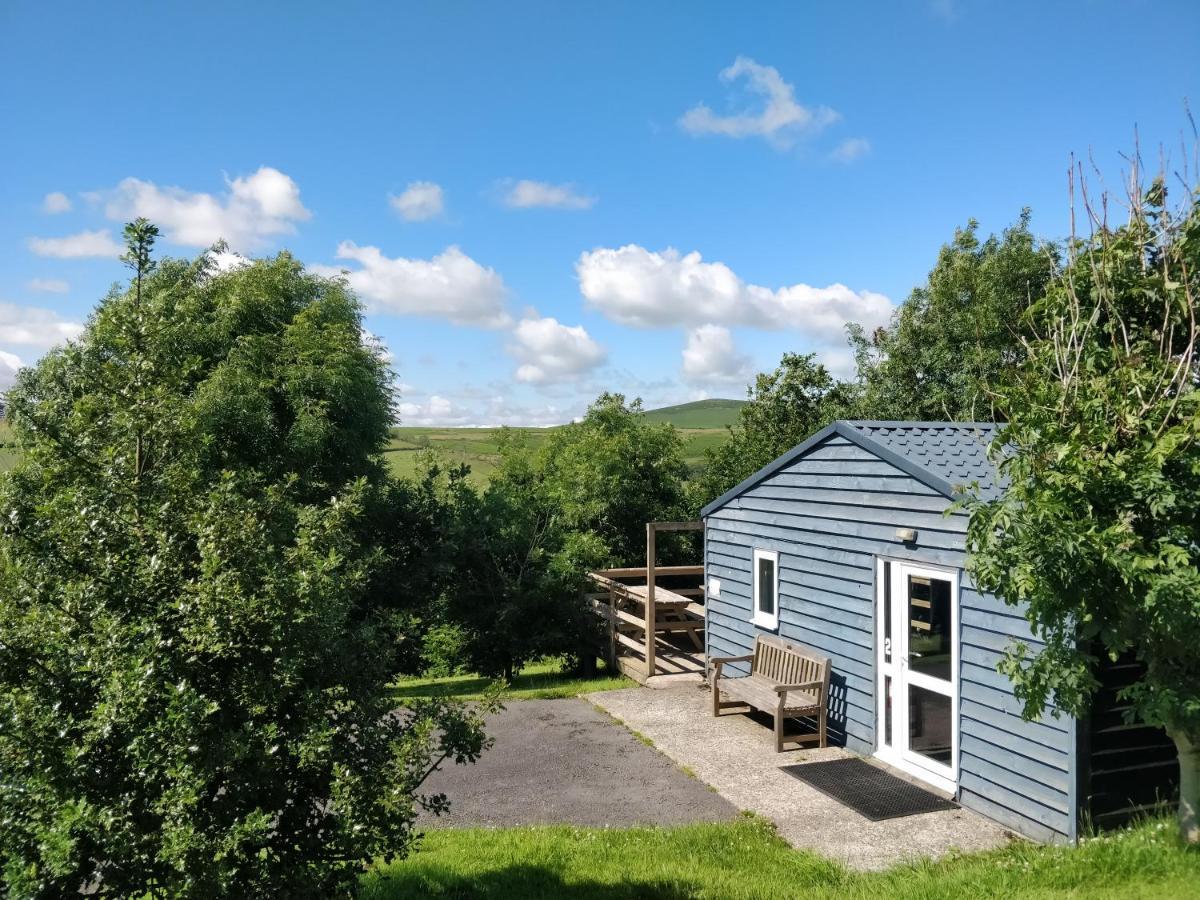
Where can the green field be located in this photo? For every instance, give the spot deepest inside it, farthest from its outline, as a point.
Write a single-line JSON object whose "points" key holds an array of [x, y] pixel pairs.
{"points": [[700, 415], [8, 454], [702, 425]]}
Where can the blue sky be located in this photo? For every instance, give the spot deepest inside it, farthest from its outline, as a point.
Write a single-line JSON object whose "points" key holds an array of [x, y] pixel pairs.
{"points": [[540, 201]]}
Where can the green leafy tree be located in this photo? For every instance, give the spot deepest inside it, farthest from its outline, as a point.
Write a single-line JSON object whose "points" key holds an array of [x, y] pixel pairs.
{"points": [[521, 569], [419, 525], [611, 472], [959, 333], [194, 648], [548, 516], [1099, 533], [785, 407]]}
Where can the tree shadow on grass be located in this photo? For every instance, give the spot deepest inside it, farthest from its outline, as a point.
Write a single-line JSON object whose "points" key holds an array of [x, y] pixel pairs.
{"points": [[458, 687], [466, 687], [517, 882]]}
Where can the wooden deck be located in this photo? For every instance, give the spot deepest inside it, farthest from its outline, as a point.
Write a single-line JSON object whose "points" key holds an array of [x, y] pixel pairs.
{"points": [[653, 629]]}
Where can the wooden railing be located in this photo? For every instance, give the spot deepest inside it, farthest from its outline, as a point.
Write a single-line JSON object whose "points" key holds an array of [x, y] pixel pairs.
{"points": [[639, 614]]}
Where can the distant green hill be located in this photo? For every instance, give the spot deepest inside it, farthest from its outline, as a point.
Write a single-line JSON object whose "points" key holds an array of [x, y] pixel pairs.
{"points": [[700, 414]]}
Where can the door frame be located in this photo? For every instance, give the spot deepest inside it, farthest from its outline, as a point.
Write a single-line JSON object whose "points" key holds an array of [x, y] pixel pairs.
{"points": [[944, 778]]}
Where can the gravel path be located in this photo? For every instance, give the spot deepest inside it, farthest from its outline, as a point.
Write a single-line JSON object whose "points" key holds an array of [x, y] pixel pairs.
{"points": [[565, 762], [736, 755]]}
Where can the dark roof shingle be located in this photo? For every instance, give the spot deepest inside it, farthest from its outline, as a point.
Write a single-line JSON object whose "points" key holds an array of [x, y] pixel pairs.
{"points": [[955, 452]]}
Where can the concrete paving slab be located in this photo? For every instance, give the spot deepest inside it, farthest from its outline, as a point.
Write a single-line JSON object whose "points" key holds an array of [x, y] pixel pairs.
{"points": [[736, 755], [565, 762]]}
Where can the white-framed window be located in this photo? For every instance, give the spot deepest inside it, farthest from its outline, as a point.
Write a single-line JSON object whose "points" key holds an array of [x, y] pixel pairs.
{"points": [[766, 589]]}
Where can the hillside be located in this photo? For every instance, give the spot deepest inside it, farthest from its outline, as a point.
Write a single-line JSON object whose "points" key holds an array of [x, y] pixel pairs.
{"points": [[702, 424], [698, 414]]}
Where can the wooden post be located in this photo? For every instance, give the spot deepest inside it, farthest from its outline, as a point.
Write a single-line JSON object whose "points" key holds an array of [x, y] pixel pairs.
{"points": [[650, 599], [612, 631]]}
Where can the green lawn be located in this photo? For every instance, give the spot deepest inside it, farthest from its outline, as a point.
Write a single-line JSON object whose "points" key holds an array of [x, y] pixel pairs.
{"points": [[745, 859], [537, 681]]}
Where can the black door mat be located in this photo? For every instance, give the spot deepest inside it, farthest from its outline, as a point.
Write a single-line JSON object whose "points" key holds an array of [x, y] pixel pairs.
{"points": [[868, 789]]}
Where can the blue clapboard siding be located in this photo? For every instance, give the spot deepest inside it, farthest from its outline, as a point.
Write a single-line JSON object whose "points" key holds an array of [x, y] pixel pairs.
{"points": [[1019, 773], [829, 513]]}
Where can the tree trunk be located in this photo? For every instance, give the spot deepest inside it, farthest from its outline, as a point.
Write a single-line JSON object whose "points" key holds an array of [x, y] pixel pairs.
{"points": [[1189, 787]]}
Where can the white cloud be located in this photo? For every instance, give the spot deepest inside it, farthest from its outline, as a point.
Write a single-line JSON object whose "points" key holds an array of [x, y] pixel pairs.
{"points": [[526, 194], [839, 361], [710, 357], [10, 363], [34, 326], [72, 246], [227, 260], [501, 411], [850, 149], [549, 352], [634, 286], [255, 209], [451, 285], [437, 411], [380, 349], [482, 408], [48, 285], [780, 120], [56, 202], [421, 200]]}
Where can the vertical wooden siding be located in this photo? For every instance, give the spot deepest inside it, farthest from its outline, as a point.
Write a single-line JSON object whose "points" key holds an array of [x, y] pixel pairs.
{"points": [[829, 514]]}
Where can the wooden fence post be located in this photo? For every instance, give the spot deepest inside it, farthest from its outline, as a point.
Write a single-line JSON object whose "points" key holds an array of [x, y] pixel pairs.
{"points": [[612, 631], [650, 610]]}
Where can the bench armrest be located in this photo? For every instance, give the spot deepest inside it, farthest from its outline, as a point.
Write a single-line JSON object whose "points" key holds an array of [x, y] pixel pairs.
{"points": [[721, 660], [808, 685]]}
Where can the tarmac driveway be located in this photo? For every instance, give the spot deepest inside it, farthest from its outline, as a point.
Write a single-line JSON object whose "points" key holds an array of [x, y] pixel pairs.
{"points": [[566, 762]]}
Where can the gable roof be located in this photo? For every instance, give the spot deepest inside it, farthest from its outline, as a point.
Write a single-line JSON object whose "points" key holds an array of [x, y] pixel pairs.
{"points": [[946, 456]]}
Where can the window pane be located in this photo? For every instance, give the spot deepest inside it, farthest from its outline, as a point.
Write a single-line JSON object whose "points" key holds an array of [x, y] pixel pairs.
{"points": [[929, 627], [930, 729], [766, 586], [887, 710]]}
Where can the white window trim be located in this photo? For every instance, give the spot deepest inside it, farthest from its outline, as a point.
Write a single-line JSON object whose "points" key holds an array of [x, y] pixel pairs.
{"points": [[762, 620]]}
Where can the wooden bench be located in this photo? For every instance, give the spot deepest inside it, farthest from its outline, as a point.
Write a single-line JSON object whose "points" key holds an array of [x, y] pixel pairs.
{"points": [[786, 679]]}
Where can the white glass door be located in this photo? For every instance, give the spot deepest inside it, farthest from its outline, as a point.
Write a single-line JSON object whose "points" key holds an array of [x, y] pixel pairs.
{"points": [[917, 667]]}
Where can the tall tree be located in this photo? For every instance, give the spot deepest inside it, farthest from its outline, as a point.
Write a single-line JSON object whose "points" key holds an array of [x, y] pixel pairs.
{"points": [[1098, 534], [959, 333], [193, 653], [785, 407], [549, 515], [612, 472], [521, 569]]}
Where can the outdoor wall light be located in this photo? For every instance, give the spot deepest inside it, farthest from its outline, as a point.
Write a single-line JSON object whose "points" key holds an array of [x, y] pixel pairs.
{"points": [[908, 535]]}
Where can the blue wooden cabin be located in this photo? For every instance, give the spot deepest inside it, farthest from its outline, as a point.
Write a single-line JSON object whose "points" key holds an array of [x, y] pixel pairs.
{"points": [[844, 544]]}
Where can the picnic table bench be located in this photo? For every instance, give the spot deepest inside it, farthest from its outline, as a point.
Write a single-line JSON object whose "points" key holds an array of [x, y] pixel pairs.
{"points": [[786, 679]]}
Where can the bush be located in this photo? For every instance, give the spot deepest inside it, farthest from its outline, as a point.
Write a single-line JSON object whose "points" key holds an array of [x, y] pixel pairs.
{"points": [[444, 651]]}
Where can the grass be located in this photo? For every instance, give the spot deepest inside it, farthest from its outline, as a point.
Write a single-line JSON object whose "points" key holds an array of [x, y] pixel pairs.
{"points": [[703, 414], [701, 425], [479, 448], [745, 860], [538, 681]]}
